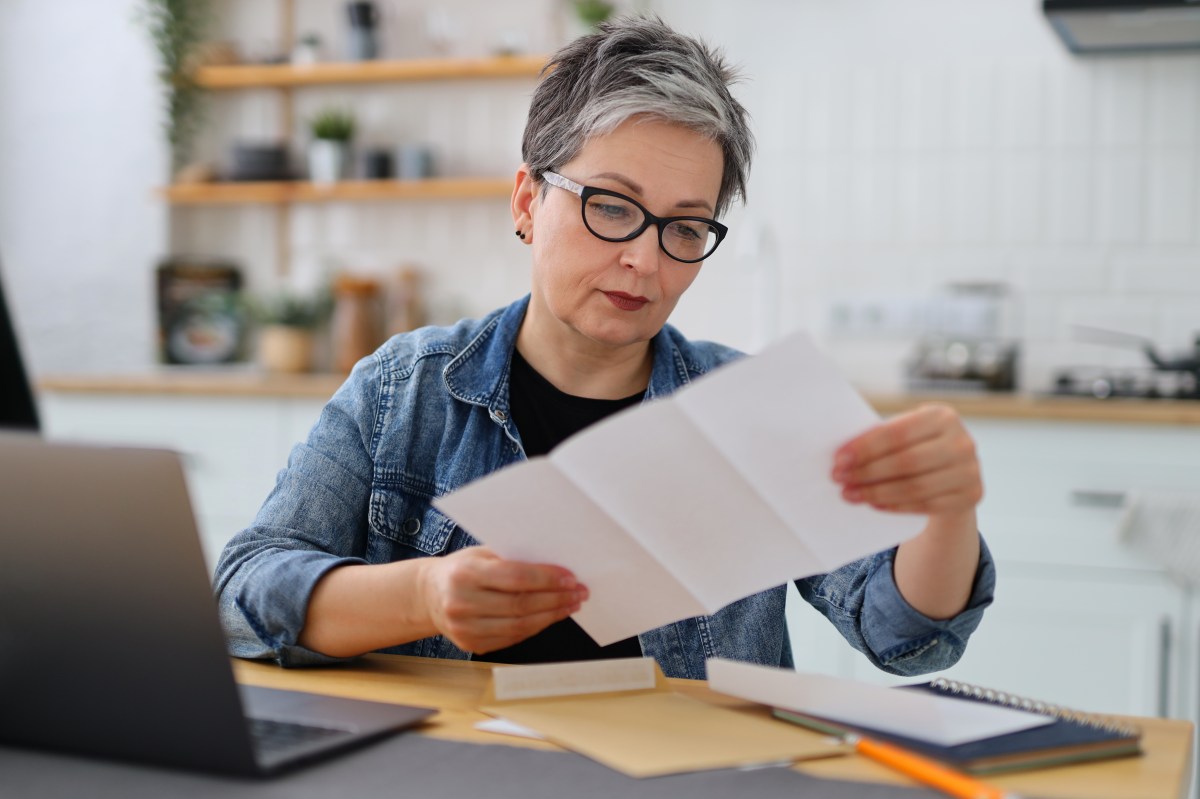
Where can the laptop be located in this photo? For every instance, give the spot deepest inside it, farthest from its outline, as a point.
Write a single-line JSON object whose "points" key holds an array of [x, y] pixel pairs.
{"points": [[110, 642], [17, 409]]}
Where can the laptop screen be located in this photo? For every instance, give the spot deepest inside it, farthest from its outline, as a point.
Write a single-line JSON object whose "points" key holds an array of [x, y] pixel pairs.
{"points": [[17, 409]]}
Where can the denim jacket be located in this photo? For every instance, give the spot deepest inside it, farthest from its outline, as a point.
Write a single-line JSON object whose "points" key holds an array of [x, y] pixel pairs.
{"points": [[428, 413]]}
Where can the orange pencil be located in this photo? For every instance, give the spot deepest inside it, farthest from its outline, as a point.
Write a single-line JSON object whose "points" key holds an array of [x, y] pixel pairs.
{"points": [[925, 770]]}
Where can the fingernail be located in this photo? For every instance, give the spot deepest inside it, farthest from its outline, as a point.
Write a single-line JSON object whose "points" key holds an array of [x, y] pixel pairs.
{"points": [[844, 460], [852, 495], [581, 594], [566, 582], [840, 474]]}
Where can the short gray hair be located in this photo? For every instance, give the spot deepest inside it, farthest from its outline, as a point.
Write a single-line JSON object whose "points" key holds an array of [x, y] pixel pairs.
{"points": [[637, 66]]}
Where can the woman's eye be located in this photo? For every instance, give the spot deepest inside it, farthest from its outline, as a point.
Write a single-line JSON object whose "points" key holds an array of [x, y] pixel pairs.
{"points": [[609, 211], [688, 232]]}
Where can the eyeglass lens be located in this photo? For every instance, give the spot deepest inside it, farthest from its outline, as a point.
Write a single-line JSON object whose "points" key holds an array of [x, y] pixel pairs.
{"points": [[611, 217]]}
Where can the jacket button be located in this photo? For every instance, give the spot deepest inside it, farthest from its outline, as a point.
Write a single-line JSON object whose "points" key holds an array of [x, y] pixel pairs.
{"points": [[411, 526], [501, 416]]}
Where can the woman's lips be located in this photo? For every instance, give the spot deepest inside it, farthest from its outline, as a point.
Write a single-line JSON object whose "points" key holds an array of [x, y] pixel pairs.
{"points": [[626, 302]]}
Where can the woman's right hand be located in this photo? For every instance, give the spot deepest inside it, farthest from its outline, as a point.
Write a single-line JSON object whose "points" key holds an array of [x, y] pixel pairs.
{"points": [[482, 602]]}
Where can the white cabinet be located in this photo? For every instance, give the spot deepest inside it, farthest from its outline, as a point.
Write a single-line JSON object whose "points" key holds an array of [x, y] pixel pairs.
{"points": [[233, 447], [1079, 618]]}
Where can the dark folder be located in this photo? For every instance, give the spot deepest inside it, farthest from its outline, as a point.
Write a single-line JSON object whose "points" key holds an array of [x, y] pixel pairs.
{"points": [[1072, 737]]}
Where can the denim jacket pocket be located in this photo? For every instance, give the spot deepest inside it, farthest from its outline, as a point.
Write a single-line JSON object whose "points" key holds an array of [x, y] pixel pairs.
{"points": [[405, 525]]}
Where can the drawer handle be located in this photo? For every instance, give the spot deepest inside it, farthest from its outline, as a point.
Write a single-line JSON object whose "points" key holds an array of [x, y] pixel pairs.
{"points": [[1097, 499]]}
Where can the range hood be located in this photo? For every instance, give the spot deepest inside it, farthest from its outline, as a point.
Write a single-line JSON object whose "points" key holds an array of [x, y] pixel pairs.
{"points": [[1125, 26]]}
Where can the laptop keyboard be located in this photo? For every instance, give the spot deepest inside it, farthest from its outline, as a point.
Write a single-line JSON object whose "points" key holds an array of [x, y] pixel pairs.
{"points": [[271, 737]]}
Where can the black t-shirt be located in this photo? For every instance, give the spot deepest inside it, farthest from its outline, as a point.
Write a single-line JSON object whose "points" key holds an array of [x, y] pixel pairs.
{"points": [[545, 416]]}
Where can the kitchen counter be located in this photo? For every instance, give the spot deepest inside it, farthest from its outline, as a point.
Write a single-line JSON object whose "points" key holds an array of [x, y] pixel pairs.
{"points": [[322, 386], [204, 383], [1050, 407]]}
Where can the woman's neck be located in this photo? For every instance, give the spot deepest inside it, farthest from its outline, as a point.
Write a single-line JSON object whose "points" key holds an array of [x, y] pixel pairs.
{"points": [[581, 367]]}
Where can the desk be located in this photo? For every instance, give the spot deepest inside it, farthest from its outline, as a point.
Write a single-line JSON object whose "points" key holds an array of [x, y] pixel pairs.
{"points": [[455, 687], [447, 760]]}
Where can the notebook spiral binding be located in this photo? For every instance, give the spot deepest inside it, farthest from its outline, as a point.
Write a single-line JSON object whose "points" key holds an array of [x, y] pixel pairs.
{"points": [[1106, 723]]}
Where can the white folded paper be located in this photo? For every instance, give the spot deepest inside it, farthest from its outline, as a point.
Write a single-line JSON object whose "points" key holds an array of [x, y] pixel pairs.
{"points": [[678, 507]]}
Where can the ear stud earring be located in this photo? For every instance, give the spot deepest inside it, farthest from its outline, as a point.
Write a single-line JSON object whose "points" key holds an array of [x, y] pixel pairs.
{"points": [[519, 234]]}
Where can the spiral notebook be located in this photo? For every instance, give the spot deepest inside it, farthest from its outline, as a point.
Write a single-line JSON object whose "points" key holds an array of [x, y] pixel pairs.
{"points": [[1071, 738]]}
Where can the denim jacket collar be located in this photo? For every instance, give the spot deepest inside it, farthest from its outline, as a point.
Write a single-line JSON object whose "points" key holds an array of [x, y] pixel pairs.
{"points": [[479, 374]]}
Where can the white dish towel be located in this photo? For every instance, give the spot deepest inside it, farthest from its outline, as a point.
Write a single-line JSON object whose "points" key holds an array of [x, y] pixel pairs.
{"points": [[1165, 525]]}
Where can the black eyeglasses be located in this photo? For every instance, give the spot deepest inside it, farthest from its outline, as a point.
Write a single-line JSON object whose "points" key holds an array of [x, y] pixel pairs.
{"points": [[611, 216]]}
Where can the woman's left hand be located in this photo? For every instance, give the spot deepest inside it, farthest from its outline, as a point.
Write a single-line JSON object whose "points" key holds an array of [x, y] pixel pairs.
{"points": [[922, 461]]}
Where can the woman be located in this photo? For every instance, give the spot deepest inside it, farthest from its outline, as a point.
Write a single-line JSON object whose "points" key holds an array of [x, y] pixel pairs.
{"points": [[633, 147]]}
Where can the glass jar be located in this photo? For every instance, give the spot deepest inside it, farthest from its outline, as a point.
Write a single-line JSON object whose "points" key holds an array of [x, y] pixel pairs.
{"points": [[356, 326]]}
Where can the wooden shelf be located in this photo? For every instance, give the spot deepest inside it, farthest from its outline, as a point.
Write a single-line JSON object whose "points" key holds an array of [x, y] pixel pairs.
{"points": [[284, 192], [254, 76]]}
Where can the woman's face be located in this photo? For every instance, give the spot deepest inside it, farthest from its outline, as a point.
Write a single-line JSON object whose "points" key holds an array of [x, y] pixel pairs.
{"points": [[618, 293]]}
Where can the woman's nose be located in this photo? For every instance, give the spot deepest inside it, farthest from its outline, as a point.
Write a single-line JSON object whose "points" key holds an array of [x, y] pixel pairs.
{"points": [[642, 254]]}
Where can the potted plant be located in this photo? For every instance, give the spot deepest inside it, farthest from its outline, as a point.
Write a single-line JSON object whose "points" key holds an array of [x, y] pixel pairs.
{"points": [[177, 29], [307, 50], [592, 12], [329, 153], [287, 329]]}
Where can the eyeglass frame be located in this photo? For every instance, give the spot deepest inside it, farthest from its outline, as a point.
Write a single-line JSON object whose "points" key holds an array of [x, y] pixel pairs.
{"points": [[648, 219]]}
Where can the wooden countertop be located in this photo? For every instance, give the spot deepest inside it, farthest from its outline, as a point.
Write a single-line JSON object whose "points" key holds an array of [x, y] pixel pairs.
{"points": [[1049, 407], [205, 383], [232, 383]]}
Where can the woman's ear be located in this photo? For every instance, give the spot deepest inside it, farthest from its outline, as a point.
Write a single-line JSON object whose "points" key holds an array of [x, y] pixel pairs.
{"points": [[524, 197]]}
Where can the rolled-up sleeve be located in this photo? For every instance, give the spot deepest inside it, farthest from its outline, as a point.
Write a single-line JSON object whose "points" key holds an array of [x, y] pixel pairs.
{"points": [[862, 600], [313, 521]]}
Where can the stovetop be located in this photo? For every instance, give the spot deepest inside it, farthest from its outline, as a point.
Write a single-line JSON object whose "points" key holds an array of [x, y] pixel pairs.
{"points": [[1109, 383]]}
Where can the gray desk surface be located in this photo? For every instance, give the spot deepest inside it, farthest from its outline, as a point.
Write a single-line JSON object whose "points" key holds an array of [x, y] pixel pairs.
{"points": [[417, 766]]}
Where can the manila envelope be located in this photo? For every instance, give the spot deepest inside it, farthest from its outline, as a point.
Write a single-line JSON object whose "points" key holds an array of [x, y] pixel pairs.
{"points": [[624, 714]]}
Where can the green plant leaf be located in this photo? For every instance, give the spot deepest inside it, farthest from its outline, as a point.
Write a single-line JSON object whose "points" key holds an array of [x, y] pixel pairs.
{"points": [[334, 124], [176, 28]]}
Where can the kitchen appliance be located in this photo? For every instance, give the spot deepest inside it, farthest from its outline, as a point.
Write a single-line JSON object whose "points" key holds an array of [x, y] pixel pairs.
{"points": [[1162, 378], [1090, 27], [968, 341], [957, 363], [1106, 383]]}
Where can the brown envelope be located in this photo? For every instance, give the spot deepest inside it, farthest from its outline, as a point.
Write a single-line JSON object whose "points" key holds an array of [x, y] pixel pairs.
{"points": [[652, 731]]}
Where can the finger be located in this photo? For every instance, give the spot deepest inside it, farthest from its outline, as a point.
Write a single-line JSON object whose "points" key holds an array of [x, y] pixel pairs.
{"points": [[897, 433], [516, 576], [927, 456], [917, 489], [488, 635], [504, 605], [911, 509], [468, 601]]}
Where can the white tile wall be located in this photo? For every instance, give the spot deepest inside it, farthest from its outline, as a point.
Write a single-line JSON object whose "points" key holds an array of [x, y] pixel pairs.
{"points": [[1120, 192], [998, 157]]}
